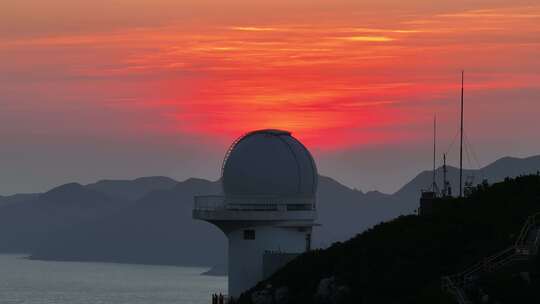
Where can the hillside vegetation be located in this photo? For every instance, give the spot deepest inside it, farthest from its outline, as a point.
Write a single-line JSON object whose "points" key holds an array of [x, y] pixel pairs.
{"points": [[402, 261]]}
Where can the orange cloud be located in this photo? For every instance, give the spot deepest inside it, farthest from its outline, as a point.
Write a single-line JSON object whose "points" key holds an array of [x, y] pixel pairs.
{"points": [[335, 82], [367, 38]]}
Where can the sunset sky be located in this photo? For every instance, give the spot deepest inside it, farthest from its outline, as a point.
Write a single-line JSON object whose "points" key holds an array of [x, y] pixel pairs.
{"points": [[130, 88]]}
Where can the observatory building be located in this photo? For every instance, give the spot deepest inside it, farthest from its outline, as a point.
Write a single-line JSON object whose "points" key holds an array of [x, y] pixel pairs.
{"points": [[267, 209]]}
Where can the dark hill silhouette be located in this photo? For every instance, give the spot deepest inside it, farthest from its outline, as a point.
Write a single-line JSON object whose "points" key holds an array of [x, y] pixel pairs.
{"points": [[64, 196], [402, 261], [157, 228], [17, 198], [133, 189], [343, 212], [409, 194], [511, 166], [24, 225]]}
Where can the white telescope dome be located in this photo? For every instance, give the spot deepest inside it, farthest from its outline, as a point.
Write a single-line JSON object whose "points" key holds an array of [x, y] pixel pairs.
{"points": [[269, 163]]}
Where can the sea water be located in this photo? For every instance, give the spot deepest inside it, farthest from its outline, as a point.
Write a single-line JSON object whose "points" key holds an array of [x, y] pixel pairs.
{"points": [[25, 281]]}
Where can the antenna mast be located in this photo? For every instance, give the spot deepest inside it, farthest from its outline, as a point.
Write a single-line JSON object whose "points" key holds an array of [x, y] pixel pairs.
{"points": [[445, 182], [434, 185], [461, 146]]}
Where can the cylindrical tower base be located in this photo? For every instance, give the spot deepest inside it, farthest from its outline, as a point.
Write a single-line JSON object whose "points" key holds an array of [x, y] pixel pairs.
{"points": [[248, 247]]}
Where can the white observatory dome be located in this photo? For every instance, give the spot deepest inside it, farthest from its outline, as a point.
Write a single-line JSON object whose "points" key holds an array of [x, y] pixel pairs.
{"points": [[269, 163]]}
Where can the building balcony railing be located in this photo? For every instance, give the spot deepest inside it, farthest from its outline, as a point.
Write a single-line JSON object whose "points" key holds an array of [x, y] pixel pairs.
{"points": [[253, 203]]}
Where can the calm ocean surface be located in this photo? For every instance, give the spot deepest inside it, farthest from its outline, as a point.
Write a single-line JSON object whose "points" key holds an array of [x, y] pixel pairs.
{"points": [[36, 282]]}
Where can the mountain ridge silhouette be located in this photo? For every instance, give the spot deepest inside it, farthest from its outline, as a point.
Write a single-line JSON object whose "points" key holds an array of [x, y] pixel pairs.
{"points": [[138, 221]]}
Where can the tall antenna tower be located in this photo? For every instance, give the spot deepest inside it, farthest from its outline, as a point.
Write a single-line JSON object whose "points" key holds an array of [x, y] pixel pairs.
{"points": [[447, 189], [434, 183], [461, 145]]}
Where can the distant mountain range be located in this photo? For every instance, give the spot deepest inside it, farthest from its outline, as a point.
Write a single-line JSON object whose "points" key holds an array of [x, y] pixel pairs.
{"points": [[494, 172], [148, 220], [133, 189], [27, 221]]}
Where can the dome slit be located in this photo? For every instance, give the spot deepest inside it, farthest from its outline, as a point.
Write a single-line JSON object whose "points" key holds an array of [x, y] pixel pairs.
{"points": [[298, 169]]}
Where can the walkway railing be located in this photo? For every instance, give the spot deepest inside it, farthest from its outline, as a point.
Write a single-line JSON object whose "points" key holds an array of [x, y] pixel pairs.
{"points": [[526, 245], [253, 203]]}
